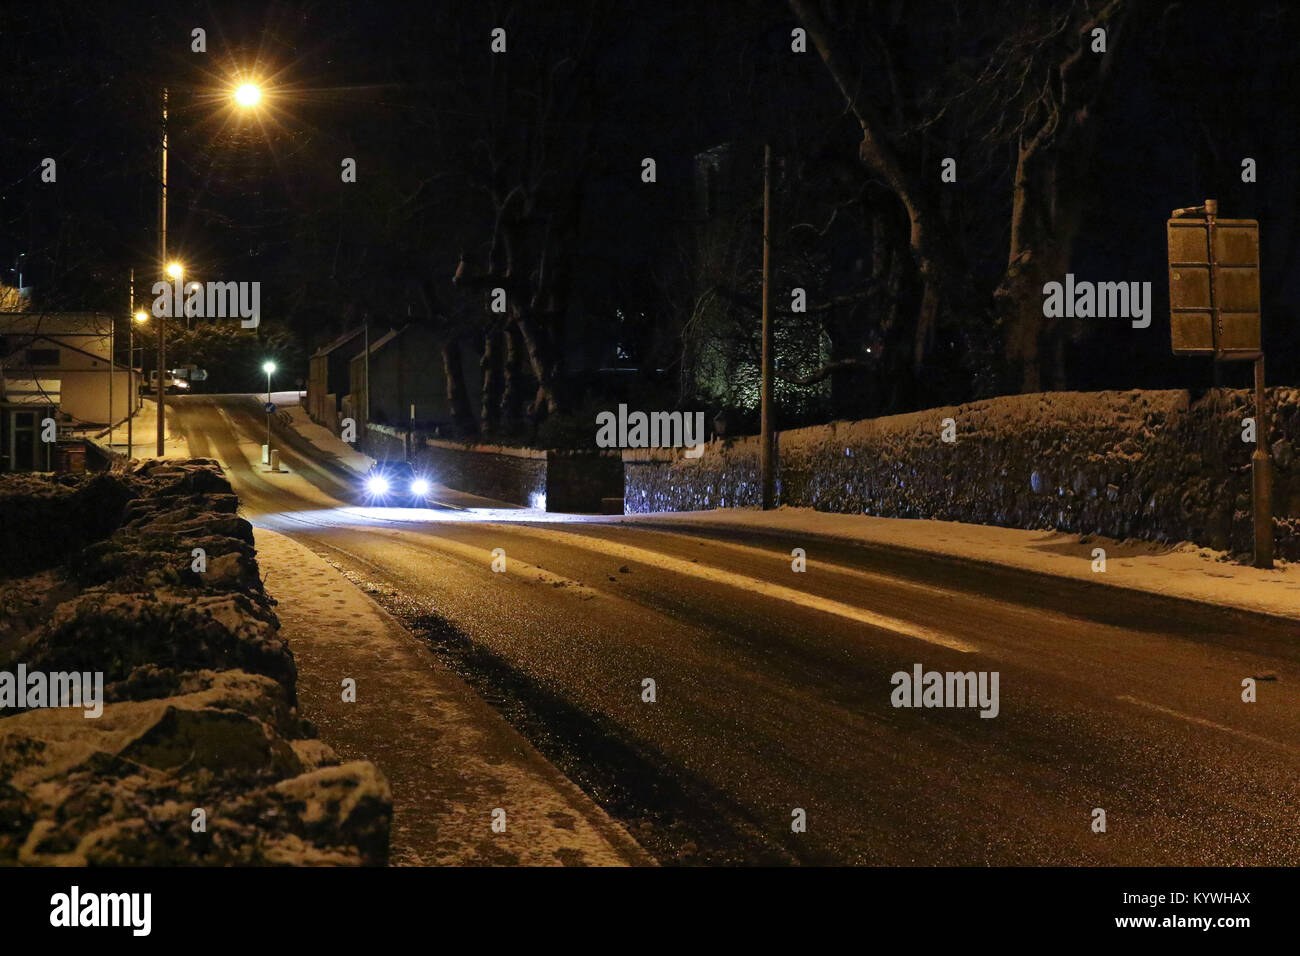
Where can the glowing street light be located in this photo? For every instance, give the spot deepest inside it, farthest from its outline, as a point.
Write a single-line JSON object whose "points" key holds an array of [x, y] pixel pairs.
{"points": [[248, 95]]}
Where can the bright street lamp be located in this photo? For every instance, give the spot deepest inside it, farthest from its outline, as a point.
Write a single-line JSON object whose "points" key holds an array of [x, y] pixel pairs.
{"points": [[248, 95]]}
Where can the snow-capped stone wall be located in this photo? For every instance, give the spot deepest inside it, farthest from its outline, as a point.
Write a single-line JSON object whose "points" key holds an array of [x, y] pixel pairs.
{"points": [[1143, 464], [199, 755]]}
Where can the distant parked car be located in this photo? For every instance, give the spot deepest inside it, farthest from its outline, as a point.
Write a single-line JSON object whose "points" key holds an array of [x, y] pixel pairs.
{"points": [[397, 483], [171, 384]]}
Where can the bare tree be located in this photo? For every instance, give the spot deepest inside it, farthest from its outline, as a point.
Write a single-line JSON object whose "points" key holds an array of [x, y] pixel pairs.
{"points": [[1039, 90], [530, 162]]}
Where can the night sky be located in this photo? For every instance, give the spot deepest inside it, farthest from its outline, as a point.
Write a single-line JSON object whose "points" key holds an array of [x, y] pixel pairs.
{"points": [[407, 91]]}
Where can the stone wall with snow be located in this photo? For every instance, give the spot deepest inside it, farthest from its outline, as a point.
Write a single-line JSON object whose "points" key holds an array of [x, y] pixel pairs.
{"points": [[1143, 464], [199, 720]]}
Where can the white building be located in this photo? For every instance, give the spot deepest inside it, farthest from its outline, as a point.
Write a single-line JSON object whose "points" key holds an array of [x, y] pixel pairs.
{"points": [[64, 356]]}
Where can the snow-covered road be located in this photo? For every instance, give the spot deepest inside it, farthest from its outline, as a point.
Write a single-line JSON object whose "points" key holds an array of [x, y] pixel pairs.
{"points": [[773, 688]]}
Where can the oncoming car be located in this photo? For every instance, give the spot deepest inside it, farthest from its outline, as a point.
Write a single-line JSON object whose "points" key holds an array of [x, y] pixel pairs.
{"points": [[397, 483]]}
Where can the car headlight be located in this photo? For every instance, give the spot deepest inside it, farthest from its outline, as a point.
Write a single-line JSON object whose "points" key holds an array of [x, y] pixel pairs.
{"points": [[377, 484], [419, 487]]}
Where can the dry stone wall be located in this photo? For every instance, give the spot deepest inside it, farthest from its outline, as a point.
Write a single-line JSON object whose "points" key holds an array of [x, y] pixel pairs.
{"points": [[199, 755], [1143, 464]]}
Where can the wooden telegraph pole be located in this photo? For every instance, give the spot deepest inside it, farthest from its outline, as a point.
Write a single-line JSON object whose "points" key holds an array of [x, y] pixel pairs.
{"points": [[162, 266], [767, 463]]}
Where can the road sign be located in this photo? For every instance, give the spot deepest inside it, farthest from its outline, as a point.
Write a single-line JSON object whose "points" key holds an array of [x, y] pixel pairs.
{"points": [[1214, 310], [1214, 287], [190, 373], [270, 407]]}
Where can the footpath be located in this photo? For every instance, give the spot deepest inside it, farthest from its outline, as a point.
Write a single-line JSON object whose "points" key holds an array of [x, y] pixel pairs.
{"points": [[450, 759], [143, 433]]}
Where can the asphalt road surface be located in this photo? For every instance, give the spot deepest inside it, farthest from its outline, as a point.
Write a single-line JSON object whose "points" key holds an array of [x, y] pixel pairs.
{"points": [[773, 688]]}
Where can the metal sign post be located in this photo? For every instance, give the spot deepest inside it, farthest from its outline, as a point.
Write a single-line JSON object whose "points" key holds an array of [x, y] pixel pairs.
{"points": [[1261, 473], [1214, 310]]}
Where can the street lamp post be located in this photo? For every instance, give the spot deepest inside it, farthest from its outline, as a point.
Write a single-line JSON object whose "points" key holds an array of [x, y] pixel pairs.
{"points": [[133, 390], [246, 96], [162, 261], [268, 368], [112, 363], [767, 400], [190, 289], [141, 317]]}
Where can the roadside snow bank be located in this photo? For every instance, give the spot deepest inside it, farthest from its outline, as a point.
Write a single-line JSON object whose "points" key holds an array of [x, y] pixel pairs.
{"points": [[326, 442], [1182, 571]]}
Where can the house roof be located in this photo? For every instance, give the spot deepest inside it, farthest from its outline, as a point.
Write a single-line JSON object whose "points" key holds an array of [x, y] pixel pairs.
{"points": [[55, 323], [342, 340], [379, 343], [14, 361]]}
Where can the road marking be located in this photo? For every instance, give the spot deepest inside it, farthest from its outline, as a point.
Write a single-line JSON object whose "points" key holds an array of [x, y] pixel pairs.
{"points": [[757, 585], [1038, 615], [516, 570], [1202, 722]]}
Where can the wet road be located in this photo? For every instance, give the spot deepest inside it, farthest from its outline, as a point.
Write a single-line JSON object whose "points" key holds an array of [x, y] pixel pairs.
{"points": [[772, 689]]}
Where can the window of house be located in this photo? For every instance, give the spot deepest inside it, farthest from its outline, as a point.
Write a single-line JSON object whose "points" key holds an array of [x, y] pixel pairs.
{"points": [[42, 356]]}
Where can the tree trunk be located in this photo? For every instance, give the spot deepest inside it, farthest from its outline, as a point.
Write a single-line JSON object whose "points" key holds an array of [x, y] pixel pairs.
{"points": [[542, 359], [457, 393], [1044, 221], [493, 386], [512, 395]]}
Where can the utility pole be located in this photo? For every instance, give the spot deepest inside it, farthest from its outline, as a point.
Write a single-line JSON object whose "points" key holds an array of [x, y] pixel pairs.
{"points": [[133, 391], [162, 265], [767, 463], [112, 361], [410, 428]]}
